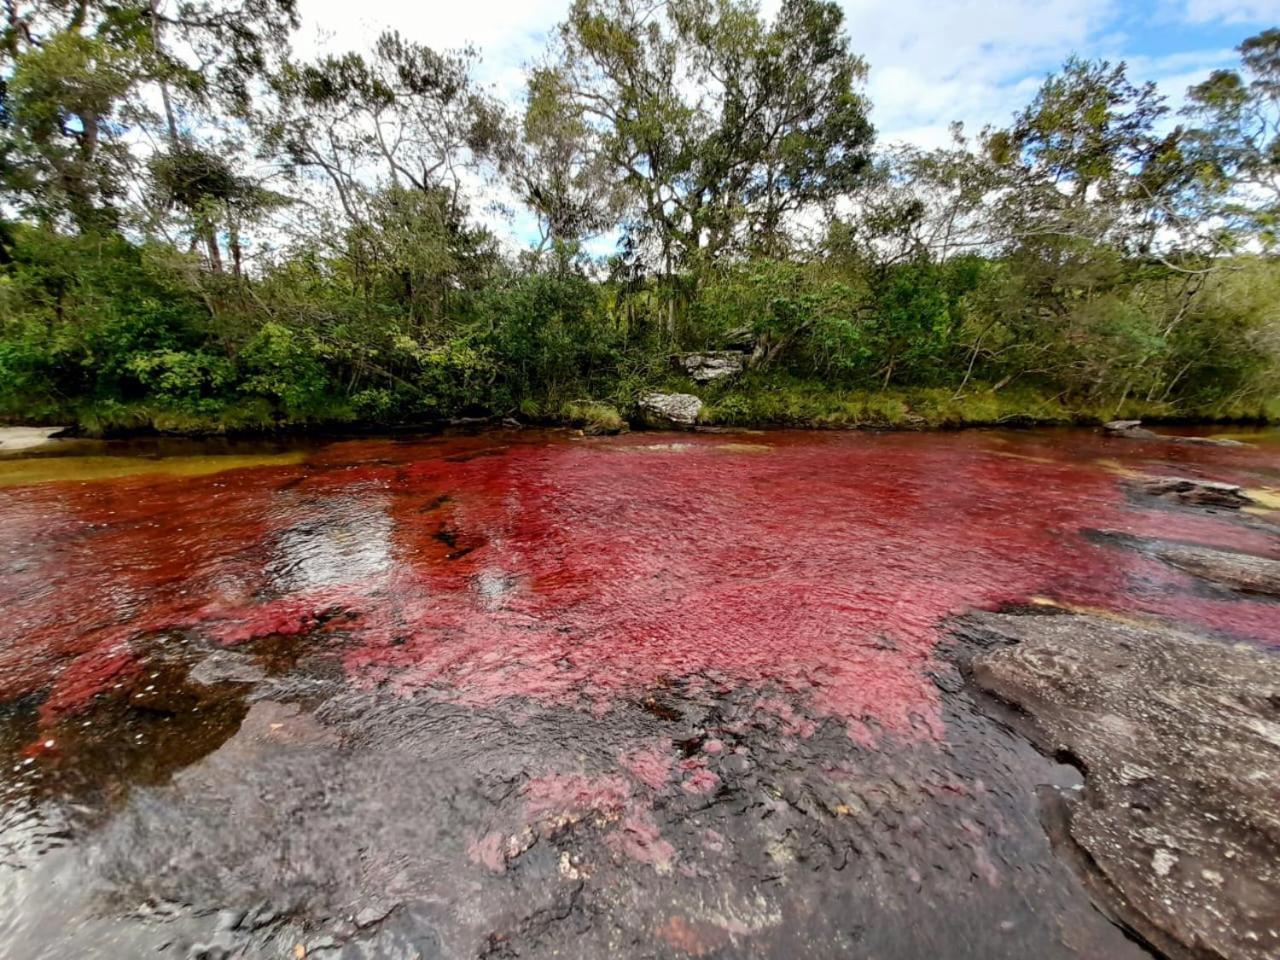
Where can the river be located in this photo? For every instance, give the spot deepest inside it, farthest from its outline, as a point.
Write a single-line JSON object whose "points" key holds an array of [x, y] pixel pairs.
{"points": [[532, 694]]}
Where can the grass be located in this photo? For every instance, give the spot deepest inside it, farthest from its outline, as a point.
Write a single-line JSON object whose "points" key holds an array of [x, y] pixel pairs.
{"points": [[592, 417], [788, 402], [752, 401]]}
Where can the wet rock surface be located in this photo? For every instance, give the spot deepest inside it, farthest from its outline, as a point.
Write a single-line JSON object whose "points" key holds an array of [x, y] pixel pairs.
{"points": [[1193, 492], [1240, 572], [1243, 572], [688, 823], [1134, 430], [1179, 740]]}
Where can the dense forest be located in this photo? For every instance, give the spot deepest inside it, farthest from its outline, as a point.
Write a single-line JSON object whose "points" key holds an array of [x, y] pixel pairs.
{"points": [[199, 230]]}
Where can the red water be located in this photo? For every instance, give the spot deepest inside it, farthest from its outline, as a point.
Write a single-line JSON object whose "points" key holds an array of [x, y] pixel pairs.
{"points": [[575, 572]]}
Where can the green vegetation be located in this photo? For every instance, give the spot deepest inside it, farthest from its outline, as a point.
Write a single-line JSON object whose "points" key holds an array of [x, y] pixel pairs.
{"points": [[200, 232]]}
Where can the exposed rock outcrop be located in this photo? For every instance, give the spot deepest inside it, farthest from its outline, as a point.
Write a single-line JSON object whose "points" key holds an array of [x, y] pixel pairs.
{"points": [[1134, 430], [24, 438], [1241, 572], [680, 409], [711, 365], [1178, 737], [1199, 493]]}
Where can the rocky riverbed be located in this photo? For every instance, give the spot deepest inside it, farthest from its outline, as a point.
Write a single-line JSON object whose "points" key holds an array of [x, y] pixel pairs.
{"points": [[528, 694]]}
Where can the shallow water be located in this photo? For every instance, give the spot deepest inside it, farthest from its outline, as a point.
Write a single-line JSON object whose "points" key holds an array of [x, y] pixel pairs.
{"points": [[531, 694]]}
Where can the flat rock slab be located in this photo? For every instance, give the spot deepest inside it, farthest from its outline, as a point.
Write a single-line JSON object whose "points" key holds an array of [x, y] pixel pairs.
{"points": [[1240, 572], [24, 438], [710, 365], [1187, 490], [1178, 737], [1134, 430]]}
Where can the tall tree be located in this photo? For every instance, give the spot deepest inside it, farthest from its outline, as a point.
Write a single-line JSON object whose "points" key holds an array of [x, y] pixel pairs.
{"points": [[557, 173], [1077, 162], [720, 126], [407, 116], [80, 80], [1233, 148]]}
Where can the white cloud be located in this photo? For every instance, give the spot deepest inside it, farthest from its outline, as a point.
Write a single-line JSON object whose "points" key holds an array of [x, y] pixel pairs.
{"points": [[1231, 11], [970, 60], [508, 34]]}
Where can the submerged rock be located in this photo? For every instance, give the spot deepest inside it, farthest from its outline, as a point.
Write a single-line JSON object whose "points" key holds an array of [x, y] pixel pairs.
{"points": [[676, 408], [711, 365], [1242, 572], [1178, 738], [1201, 493], [1134, 430]]}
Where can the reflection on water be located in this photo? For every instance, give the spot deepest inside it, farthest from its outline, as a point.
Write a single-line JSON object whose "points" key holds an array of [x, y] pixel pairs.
{"points": [[686, 688], [330, 542]]}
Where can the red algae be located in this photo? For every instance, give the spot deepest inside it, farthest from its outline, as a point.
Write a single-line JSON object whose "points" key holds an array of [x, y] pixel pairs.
{"points": [[817, 568], [650, 765]]}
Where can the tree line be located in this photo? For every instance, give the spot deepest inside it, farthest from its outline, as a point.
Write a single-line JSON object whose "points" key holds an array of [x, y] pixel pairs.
{"points": [[201, 230]]}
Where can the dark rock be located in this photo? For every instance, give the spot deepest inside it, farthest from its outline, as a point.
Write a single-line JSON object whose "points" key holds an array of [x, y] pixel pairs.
{"points": [[1178, 737], [1201, 493], [1208, 441], [711, 365], [742, 339], [1242, 572], [1126, 428], [1133, 430]]}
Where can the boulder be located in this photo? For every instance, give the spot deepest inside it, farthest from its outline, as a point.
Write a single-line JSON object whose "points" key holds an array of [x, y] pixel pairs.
{"points": [[712, 365], [1200, 493], [675, 408], [1176, 831]]}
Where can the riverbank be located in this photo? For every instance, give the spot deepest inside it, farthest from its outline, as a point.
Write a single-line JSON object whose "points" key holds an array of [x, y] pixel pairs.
{"points": [[749, 402]]}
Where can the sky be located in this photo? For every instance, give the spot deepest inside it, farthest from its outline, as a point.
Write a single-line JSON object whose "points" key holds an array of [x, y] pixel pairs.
{"points": [[931, 61]]}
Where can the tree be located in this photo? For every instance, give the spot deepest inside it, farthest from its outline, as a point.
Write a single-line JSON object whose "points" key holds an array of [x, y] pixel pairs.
{"points": [[557, 174], [405, 117], [1233, 152], [80, 79], [719, 125], [1076, 162]]}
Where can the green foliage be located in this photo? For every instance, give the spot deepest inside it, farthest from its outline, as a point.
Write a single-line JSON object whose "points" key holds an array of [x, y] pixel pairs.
{"points": [[278, 364], [1082, 262]]}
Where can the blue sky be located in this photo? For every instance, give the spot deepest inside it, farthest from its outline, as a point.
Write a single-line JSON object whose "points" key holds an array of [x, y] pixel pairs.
{"points": [[932, 61]]}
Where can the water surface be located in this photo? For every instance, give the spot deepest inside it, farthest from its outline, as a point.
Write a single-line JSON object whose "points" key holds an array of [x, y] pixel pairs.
{"points": [[525, 693]]}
